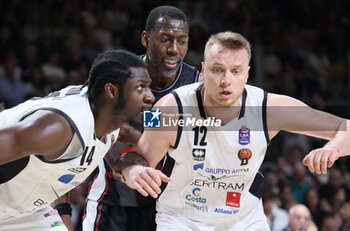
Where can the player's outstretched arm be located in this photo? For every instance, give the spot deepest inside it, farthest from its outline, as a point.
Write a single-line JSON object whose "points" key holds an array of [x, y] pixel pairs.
{"points": [[153, 146], [155, 142], [117, 160], [44, 133], [289, 114]]}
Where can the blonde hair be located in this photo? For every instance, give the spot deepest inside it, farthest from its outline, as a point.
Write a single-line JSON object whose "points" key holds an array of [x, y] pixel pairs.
{"points": [[230, 40]]}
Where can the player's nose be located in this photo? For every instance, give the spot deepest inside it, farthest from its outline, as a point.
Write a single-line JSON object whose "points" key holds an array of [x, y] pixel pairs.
{"points": [[149, 97]]}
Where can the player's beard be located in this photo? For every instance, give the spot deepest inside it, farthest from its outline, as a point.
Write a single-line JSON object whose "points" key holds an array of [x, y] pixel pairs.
{"points": [[168, 73], [158, 65], [120, 105]]}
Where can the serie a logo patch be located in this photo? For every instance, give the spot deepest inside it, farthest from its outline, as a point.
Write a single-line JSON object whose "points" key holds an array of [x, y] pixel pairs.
{"points": [[244, 135]]}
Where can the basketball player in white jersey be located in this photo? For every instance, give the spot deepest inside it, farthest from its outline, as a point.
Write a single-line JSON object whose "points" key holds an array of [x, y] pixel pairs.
{"points": [[50, 145], [218, 137]]}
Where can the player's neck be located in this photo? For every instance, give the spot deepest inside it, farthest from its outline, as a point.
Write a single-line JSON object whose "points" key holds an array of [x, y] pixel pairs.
{"points": [[105, 120], [225, 113], [160, 82]]}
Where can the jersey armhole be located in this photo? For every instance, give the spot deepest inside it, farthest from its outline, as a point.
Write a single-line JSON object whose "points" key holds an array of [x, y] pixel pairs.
{"points": [[264, 118], [179, 128], [197, 77], [71, 123]]}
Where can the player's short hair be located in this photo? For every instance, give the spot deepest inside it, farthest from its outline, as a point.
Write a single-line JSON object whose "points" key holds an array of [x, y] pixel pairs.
{"points": [[112, 66], [170, 12], [230, 40]]}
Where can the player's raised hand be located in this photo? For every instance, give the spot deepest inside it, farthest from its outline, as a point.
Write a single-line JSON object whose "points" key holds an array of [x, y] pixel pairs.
{"points": [[319, 160], [145, 180]]}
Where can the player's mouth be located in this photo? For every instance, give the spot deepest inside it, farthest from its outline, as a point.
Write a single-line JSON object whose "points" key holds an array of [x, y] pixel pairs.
{"points": [[170, 63], [225, 94], [146, 106]]}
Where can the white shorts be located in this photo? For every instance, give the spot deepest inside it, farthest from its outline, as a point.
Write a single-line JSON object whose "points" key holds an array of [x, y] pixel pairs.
{"points": [[42, 220], [254, 221]]}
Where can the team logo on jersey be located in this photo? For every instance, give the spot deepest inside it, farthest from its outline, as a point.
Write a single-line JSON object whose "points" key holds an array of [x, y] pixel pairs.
{"points": [[225, 211], [244, 135], [39, 202], [214, 178], [151, 118], [198, 154], [196, 197], [197, 166], [196, 201], [112, 139], [233, 199], [75, 183], [244, 155], [77, 170], [195, 192], [57, 223], [51, 213], [66, 178]]}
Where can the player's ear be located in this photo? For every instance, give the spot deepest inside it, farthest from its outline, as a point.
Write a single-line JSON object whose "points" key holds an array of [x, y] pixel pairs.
{"points": [[247, 75], [112, 91], [145, 38], [202, 69]]}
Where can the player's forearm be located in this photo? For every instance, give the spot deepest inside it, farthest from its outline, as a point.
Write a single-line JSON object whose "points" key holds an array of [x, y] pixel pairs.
{"points": [[67, 222], [62, 205], [128, 159]]}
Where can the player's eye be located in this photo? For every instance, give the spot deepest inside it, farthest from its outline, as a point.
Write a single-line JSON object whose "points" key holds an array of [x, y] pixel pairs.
{"points": [[236, 71], [217, 69]]}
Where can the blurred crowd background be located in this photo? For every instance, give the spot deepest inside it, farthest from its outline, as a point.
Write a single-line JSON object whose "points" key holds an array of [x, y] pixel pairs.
{"points": [[300, 48]]}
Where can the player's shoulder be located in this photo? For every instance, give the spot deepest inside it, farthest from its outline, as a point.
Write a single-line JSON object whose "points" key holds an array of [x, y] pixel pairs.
{"points": [[272, 99], [188, 89], [189, 67], [252, 88], [165, 101], [183, 93], [189, 73], [282, 100]]}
